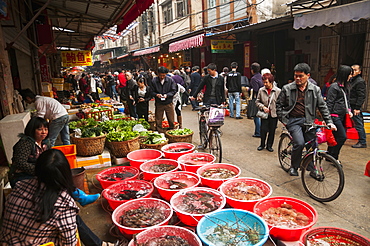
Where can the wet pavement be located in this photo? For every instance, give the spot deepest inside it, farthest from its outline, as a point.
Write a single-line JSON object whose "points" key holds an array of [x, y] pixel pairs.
{"points": [[351, 210]]}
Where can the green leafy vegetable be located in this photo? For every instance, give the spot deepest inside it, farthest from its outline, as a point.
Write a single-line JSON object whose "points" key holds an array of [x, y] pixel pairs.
{"points": [[184, 131], [121, 136], [155, 138]]}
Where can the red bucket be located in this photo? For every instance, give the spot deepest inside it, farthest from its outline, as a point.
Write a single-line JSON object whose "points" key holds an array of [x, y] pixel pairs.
{"points": [[157, 233], [263, 187], [336, 236], [284, 233], [125, 172], [163, 183], [175, 150], [138, 157], [112, 194], [192, 161], [147, 168], [180, 201], [163, 206], [215, 181]]}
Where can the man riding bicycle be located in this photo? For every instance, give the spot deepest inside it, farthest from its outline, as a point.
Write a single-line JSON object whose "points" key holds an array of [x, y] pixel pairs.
{"points": [[296, 107]]}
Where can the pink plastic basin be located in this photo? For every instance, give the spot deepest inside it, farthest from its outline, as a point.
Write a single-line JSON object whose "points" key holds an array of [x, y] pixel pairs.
{"points": [[287, 234], [215, 183], [138, 157], [192, 219], [165, 231], [120, 169], [336, 235], [111, 192], [135, 204], [192, 161], [148, 173], [163, 183], [177, 146], [245, 204]]}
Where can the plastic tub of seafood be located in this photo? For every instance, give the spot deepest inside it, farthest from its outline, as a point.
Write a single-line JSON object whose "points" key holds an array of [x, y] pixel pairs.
{"points": [[166, 235], [126, 190], [138, 157], [113, 175], [138, 215], [192, 161], [213, 175], [232, 227], [175, 150], [170, 183], [332, 236], [244, 193], [193, 204], [288, 218], [155, 168]]}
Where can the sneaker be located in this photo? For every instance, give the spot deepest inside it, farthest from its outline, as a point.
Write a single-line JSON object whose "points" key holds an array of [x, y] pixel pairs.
{"points": [[293, 172], [184, 105], [239, 118], [359, 145]]}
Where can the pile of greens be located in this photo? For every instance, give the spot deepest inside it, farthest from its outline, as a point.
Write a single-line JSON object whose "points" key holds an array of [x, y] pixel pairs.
{"points": [[91, 132], [121, 136], [177, 132], [154, 138], [83, 123]]}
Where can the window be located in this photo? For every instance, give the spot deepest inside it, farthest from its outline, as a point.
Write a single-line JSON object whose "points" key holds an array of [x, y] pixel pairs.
{"points": [[224, 1], [132, 38], [167, 12], [181, 8], [211, 3]]}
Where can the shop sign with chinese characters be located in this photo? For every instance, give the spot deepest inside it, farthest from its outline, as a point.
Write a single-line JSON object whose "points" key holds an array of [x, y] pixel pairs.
{"points": [[222, 46], [76, 58]]}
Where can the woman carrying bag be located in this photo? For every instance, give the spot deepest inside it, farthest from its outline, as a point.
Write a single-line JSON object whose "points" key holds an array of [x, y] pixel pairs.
{"points": [[266, 103]]}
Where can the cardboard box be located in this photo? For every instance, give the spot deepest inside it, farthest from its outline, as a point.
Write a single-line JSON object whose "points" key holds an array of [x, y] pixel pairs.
{"points": [[46, 86], [96, 161]]}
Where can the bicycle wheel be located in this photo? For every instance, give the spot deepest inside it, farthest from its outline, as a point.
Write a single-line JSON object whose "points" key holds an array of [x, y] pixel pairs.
{"points": [[215, 147], [203, 133], [285, 151], [323, 179]]}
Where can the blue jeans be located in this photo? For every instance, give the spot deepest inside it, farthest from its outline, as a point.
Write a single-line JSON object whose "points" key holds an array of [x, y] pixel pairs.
{"points": [[340, 136], [59, 125], [88, 238], [234, 96], [359, 126], [194, 103], [257, 126], [113, 92], [210, 101]]}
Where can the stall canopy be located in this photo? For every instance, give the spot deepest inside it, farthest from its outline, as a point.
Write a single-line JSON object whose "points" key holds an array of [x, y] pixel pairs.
{"points": [[334, 15], [187, 43], [146, 51]]}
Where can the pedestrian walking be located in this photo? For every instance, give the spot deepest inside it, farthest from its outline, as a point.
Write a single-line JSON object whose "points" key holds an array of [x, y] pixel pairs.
{"points": [[234, 88], [256, 83], [194, 83], [142, 95]]}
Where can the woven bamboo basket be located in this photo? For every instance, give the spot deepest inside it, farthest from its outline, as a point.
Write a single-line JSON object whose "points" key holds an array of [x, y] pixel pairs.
{"points": [[179, 138], [152, 146], [121, 149], [89, 146]]}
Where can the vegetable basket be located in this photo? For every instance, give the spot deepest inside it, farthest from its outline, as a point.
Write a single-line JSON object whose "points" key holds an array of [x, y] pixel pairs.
{"points": [[151, 146], [179, 138], [89, 146], [121, 149]]}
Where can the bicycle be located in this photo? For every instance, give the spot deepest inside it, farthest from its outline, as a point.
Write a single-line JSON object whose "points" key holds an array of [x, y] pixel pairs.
{"points": [[321, 174], [210, 134]]}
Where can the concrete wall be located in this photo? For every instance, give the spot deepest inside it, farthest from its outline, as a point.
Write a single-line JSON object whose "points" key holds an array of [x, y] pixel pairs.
{"points": [[25, 70]]}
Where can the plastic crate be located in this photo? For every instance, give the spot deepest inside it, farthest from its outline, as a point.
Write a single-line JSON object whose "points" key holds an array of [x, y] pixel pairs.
{"points": [[98, 114], [70, 152], [57, 80], [48, 94]]}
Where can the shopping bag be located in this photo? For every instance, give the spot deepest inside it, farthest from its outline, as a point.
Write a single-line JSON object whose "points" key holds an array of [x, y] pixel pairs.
{"points": [[348, 123], [330, 139], [367, 169], [252, 108], [216, 116]]}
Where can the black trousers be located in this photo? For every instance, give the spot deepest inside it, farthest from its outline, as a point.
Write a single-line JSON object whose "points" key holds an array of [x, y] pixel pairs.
{"points": [[268, 127], [142, 110]]}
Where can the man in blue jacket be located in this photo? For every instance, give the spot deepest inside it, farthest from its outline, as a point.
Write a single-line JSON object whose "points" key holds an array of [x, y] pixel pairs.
{"points": [[194, 83]]}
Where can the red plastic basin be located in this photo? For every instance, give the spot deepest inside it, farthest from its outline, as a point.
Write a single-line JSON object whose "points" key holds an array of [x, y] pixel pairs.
{"points": [[192, 219], [336, 235], [138, 157], [215, 183], [137, 185], [163, 183], [120, 169], [245, 204], [177, 146], [192, 161], [148, 173], [287, 234], [164, 231], [135, 204]]}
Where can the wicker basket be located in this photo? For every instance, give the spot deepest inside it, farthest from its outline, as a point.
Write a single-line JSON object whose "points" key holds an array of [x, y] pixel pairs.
{"points": [[121, 149], [179, 138], [152, 146], [89, 146]]}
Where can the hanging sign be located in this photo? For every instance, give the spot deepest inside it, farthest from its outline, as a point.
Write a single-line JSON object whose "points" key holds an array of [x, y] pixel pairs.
{"points": [[76, 58], [222, 46]]}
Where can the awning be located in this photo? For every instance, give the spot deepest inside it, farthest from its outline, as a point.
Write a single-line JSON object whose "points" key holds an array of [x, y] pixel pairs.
{"points": [[122, 56], [135, 11], [187, 43], [146, 51], [342, 13]]}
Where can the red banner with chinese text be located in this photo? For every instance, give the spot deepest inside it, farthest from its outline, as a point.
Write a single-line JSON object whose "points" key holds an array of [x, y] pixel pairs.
{"points": [[76, 58]]}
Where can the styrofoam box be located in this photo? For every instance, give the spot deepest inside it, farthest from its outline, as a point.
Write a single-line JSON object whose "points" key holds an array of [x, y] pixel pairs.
{"points": [[96, 161]]}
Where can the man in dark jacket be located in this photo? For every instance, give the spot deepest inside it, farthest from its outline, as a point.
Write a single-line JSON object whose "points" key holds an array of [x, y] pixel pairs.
{"points": [[296, 106], [356, 99], [194, 83], [256, 83], [215, 87], [163, 90], [234, 87]]}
